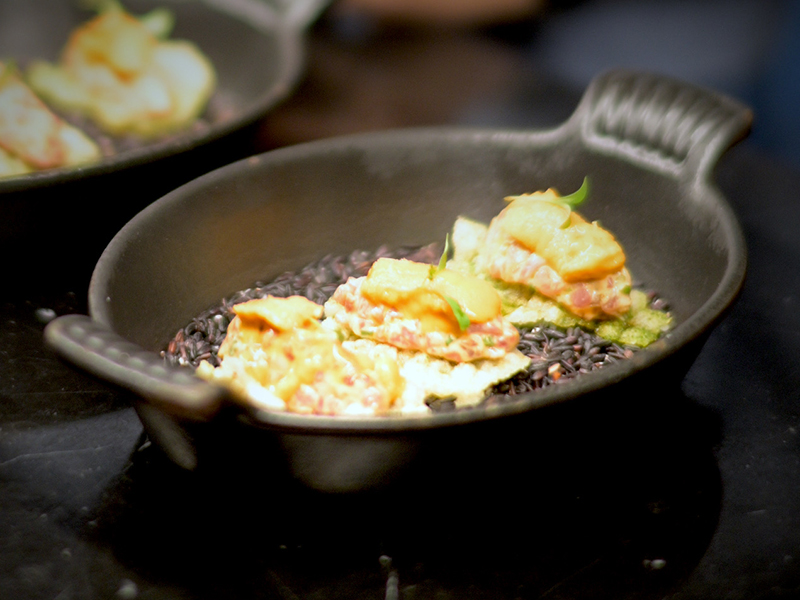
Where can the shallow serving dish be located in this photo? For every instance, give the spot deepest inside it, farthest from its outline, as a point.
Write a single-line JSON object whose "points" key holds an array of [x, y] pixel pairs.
{"points": [[649, 145], [64, 216]]}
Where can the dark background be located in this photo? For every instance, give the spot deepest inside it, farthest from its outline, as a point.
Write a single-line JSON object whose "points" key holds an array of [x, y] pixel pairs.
{"points": [[746, 48]]}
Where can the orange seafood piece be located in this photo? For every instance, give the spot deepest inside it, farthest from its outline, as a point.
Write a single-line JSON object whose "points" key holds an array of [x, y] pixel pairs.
{"points": [[405, 304], [576, 249], [412, 289], [539, 242], [282, 346]]}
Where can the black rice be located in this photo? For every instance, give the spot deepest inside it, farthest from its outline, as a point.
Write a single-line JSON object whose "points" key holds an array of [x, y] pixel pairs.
{"points": [[201, 339], [557, 355]]}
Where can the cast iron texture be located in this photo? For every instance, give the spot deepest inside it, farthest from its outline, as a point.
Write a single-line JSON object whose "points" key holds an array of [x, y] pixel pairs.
{"points": [[649, 145]]}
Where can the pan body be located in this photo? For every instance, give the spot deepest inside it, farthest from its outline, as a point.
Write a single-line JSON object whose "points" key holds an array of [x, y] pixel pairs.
{"points": [[57, 222], [259, 217]]}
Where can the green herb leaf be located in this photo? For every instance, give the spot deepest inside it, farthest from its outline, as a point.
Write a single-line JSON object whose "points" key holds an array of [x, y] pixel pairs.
{"points": [[569, 202], [461, 316], [577, 197], [433, 271], [443, 259]]}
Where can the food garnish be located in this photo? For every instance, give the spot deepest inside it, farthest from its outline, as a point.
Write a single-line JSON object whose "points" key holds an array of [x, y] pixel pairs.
{"points": [[399, 305], [442, 259], [580, 266], [389, 342], [458, 312], [278, 356], [552, 266], [570, 201], [461, 317], [448, 332]]}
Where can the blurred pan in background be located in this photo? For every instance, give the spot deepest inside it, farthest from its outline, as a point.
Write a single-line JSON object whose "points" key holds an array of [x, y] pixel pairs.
{"points": [[54, 224]]}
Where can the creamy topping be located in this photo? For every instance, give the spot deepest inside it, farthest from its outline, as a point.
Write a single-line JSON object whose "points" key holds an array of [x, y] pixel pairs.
{"points": [[420, 291], [576, 249], [282, 314], [287, 351]]}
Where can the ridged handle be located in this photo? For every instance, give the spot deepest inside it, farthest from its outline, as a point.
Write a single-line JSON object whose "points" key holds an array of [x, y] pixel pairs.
{"points": [[93, 347], [660, 122]]}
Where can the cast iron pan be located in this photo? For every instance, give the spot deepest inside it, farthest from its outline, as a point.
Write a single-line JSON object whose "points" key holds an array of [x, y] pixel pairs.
{"points": [[61, 219], [649, 145]]}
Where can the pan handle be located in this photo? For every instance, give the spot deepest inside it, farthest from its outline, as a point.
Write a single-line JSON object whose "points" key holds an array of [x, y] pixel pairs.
{"points": [[98, 350], [659, 122]]}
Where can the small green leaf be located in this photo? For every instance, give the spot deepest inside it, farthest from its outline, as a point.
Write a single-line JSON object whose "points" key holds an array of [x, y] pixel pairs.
{"points": [[443, 259], [433, 271], [461, 316], [569, 202], [577, 197], [566, 223]]}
